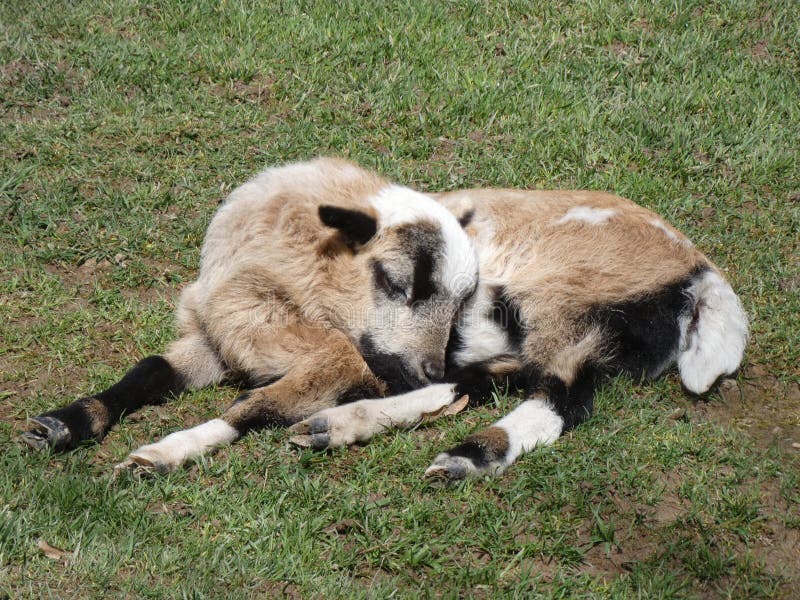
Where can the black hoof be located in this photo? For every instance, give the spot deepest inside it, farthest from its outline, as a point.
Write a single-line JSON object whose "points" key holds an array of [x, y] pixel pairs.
{"points": [[47, 432], [314, 433], [320, 441], [318, 425], [447, 470]]}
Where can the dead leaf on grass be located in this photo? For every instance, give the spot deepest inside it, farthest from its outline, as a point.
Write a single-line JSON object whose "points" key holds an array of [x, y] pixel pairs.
{"points": [[51, 551], [451, 409], [341, 527]]}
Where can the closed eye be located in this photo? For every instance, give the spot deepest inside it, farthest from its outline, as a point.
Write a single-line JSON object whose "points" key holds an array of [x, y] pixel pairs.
{"points": [[391, 288]]}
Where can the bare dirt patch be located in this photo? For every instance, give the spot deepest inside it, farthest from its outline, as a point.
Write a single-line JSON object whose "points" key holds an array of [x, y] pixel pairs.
{"points": [[32, 367], [761, 50], [259, 90], [278, 589], [16, 72], [625, 52], [643, 25], [610, 561], [10, 409], [777, 546], [760, 405], [648, 533], [790, 284]]}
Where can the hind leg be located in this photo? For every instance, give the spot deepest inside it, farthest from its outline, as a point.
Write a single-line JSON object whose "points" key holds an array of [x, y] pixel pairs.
{"points": [[491, 451], [188, 363], [552, 407]]}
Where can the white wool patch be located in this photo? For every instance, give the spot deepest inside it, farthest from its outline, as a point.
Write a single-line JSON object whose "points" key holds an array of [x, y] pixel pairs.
{"points": [[668, 232], [481, 337], [658, 224], [587, 214], [397, 205], [715, 345], [532, 423]]}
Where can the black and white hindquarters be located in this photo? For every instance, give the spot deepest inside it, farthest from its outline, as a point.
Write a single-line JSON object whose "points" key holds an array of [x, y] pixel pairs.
{"points": [[697, 322]]}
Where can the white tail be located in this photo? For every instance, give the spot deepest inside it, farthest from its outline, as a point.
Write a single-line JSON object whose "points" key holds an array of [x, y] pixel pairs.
{"points": [[713, 335]]}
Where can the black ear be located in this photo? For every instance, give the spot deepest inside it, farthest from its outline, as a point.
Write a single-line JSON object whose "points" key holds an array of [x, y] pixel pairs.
{"points": [[356, 225], [466, 218]]}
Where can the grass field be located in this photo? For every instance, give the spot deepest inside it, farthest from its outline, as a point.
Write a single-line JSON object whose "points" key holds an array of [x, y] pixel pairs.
{"points": [[122, 125]]}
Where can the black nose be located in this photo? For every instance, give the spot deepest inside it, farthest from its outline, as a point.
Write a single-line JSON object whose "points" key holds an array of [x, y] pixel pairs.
{"points": [[434, 370]]}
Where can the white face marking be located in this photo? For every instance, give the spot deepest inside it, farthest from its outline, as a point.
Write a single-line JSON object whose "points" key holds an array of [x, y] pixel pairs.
{"points": [[397, 205], [587, 214]]}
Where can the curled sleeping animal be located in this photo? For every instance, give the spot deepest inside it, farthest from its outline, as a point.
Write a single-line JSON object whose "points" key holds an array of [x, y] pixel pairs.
{"points": [[349, 305]]}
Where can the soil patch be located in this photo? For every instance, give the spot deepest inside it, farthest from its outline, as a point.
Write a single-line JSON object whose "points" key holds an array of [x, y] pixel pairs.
{"points": [[760, 405], [259, 90]]}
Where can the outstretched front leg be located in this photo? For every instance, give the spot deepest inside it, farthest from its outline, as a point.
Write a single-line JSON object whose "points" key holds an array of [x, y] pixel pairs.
{"points": [[359, 421], [554, 408], [326, 370]]}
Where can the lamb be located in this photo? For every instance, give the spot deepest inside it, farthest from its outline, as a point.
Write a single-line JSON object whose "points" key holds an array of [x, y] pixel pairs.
{"points": [[349, 305]]}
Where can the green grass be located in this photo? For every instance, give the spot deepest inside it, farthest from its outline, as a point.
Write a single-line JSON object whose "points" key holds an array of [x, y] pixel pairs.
{"points": [[122, 124]]}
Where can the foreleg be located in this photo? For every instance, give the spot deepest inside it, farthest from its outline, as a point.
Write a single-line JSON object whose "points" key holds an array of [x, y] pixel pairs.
{"points": [[359, 421], [334, 373], [188, 363]]}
